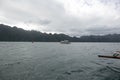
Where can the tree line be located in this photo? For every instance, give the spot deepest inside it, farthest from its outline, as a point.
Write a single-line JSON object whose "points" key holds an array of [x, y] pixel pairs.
{"points": [[8, 33]]}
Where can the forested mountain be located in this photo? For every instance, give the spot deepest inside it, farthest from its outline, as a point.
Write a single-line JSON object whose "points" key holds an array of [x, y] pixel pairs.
{"points": [[8, 33]]}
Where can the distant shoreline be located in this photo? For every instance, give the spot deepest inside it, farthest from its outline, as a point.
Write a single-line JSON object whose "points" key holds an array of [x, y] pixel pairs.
{"points": [[58, 42], [14, 34]]}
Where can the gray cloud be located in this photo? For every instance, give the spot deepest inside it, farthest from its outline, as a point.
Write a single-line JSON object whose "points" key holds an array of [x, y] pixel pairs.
{"points": [[73, 17], [103, 30]]}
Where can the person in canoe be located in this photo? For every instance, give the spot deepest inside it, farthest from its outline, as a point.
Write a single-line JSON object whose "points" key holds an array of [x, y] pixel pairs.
{"points": [[116, 54]]}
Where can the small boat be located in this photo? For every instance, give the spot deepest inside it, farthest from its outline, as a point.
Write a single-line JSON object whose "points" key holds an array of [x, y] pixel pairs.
{"points": [[114, 57], [65, 42]]}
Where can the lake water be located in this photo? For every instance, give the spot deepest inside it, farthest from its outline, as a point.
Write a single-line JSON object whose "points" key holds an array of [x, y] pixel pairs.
{"points": [[55, 61]]}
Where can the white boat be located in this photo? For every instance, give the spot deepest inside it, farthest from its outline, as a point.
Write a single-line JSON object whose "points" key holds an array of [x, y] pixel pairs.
{"points": [[65, 42]]}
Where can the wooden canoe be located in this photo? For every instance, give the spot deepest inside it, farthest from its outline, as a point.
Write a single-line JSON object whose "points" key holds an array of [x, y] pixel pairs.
{"points": [[108, 56]]}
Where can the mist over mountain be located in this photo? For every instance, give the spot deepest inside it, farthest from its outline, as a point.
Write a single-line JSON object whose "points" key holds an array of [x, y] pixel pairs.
{"points": [[8, 33]]}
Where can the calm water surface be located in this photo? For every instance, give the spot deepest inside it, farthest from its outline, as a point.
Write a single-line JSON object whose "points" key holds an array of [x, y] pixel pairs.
{"points": [[55, 61]]}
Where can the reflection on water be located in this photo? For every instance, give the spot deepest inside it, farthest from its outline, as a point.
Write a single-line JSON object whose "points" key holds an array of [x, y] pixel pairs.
{"points": [[55, 61]]}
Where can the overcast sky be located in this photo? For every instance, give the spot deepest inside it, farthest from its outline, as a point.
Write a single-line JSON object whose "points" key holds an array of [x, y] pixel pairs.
{"points": [[72, 17]]}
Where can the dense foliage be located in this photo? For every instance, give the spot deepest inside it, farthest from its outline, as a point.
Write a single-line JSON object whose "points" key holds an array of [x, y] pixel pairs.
{"points": [[8, 33]]}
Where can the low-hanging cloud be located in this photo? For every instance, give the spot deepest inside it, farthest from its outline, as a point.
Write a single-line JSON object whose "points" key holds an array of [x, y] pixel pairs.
{"points": [[73, 17]]}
